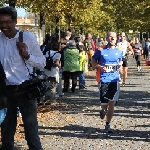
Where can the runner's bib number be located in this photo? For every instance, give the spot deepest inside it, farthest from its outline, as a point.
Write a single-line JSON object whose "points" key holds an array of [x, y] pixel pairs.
{"points": [[111, 68]]}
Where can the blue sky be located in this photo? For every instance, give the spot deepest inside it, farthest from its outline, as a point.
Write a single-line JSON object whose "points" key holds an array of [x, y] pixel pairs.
{"points": [[21, 12]]}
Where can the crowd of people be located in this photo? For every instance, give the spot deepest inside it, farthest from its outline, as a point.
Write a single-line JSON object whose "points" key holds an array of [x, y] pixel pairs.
{"points": [[77, 53], [74, 55], [63, 62]]}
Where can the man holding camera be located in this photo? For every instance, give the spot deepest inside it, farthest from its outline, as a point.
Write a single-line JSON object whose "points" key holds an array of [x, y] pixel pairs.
{"points": [[18, 59]]}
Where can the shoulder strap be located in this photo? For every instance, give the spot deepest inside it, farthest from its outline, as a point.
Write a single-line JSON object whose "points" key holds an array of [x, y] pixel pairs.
{"points": [[21, 40], [21, 36], [53, 55], [49, 53]]}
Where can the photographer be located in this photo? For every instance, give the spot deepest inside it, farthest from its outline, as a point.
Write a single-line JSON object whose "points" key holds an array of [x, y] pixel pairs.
{"points": [[18, 60]]}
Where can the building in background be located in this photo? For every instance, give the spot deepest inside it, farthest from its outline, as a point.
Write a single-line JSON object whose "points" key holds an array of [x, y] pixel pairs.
{"points": [[25, 23]]}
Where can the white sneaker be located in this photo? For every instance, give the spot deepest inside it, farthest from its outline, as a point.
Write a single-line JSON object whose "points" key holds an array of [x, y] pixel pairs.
{"points": [[61, 94], [139, 69], [19, 114], [56, 95], [120, 82]]}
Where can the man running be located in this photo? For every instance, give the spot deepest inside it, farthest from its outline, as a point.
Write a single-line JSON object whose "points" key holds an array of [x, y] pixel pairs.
{"points": [[125, 45], [109, 62]]}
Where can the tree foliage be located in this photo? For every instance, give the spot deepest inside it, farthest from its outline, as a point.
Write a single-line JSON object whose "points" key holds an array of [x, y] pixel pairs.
{"points": [[97, 16]]}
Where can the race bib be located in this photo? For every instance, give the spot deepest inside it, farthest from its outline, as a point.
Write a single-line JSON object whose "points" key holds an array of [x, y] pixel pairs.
{"points": [[138, 51], [111, 68]]}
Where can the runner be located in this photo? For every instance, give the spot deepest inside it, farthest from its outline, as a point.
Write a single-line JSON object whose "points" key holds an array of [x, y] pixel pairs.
{"points": [[138, 51], [125, 45], [110, 61]]}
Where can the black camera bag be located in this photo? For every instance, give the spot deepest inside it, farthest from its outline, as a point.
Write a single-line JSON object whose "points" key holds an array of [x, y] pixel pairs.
{"points": [[39, 83]]}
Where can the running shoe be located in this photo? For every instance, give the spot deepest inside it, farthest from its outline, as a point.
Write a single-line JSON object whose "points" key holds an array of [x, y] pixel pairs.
{"points": [[108, 129], [103, 113], [139, 70], [19, 115], [123, 84], [56, 96], [120, 82]]}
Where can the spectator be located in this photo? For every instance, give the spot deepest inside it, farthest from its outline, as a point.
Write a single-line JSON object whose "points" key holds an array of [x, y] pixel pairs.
{"points": [[105, 41], [147, 48], [118, 38], [71, 66], [82, 60], [68, 36], [16, 73], [89, 46], [43, 46], [53, 73]]}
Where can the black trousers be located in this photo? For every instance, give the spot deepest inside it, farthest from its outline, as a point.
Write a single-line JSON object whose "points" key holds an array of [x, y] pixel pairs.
{"points": [[28, 109], [138, 60], [67, 76]]}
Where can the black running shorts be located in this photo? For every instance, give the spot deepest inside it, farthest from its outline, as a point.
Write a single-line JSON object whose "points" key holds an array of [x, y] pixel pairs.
{"points": [[125, 61], [109, 92]]}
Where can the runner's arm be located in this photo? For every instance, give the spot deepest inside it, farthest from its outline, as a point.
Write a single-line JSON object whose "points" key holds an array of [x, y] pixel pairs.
{"points": [[120, 66], [130, 48], [95, 65]]}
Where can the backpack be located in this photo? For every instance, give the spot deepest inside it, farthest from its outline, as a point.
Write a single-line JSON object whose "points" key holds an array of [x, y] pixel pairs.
{"points": [[49, 61]]}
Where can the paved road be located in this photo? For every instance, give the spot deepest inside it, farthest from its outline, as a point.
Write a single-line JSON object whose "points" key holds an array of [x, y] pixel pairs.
{"points": [[73, 123]]}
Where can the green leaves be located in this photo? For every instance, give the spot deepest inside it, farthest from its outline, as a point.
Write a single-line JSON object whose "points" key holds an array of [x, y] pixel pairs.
{"points": [[95, 15]]}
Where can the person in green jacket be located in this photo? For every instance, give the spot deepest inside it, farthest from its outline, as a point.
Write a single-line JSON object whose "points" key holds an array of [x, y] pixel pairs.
{"points": [[82, 60], [71, 66]]}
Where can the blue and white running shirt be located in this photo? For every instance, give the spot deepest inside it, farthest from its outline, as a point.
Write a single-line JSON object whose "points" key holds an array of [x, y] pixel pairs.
{"points": [[109, 58]]}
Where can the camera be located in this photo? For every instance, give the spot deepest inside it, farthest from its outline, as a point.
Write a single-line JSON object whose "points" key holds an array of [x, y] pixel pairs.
{"points": [[38, 85]]}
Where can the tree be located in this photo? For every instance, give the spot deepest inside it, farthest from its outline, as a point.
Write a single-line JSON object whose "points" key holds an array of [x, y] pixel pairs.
{"points": [[97, 16]]}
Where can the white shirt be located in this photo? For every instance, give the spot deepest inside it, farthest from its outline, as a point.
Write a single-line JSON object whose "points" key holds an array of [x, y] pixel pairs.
{"points": [[54, 72], [13, 64], [80, 43], [124, 46]]}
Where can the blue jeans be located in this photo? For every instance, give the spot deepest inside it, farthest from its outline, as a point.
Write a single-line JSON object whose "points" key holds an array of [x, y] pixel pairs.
{"points": [[28, 109], [81, 79]]}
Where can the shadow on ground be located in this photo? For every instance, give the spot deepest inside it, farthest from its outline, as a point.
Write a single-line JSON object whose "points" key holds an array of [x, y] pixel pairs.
{"points": [[95, 133], [76, 103]]}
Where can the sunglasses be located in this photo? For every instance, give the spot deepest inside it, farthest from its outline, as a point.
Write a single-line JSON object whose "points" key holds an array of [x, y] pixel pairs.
{"points": [[63, 43]]}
